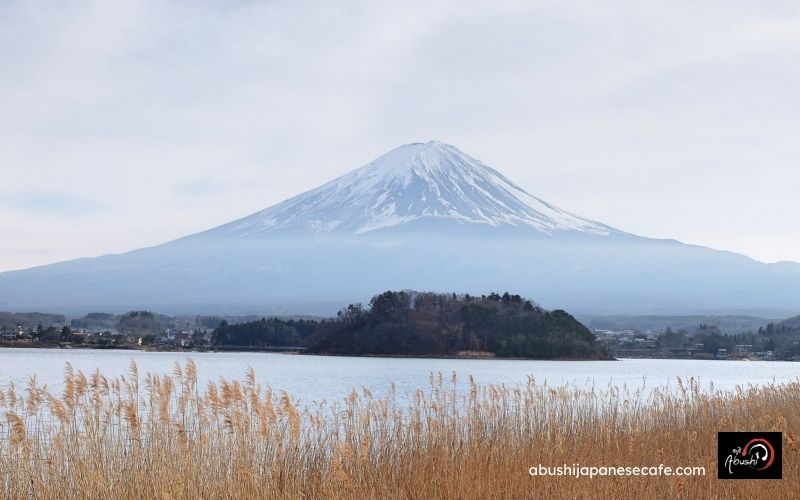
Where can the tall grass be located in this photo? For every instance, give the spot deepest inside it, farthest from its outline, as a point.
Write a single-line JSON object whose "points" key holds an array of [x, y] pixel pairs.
{"points": [[162, 436]]}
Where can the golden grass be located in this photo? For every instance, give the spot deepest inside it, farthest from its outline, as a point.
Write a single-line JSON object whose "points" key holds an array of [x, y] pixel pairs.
{"points": [[160, 436]]}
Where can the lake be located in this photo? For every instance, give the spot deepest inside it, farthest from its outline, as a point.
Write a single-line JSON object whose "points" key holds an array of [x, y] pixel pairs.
{"points": [[314, 378]]}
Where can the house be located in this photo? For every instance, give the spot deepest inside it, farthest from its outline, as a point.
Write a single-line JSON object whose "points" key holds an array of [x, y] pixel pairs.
{"points": [[183, 338]]}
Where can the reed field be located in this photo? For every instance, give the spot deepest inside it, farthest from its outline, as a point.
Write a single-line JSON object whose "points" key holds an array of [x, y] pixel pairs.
{"points": [[161, 436]]}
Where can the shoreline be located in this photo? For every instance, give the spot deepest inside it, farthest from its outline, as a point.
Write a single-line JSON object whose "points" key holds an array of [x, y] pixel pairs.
{"points": [[298, 350], [288, 351]]}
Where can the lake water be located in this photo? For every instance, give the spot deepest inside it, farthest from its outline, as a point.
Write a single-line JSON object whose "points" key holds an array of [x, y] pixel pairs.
{"points": [[314, 378]]}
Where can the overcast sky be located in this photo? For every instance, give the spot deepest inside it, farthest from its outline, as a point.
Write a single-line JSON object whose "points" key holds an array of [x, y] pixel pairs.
{"points": [[126, 124]]}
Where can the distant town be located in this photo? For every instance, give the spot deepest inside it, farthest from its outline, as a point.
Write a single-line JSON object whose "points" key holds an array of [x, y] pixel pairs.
{"points": [[133, 330], [706, 343]]}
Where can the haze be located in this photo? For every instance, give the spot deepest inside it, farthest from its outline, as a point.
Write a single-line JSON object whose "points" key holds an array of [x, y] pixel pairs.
{"points": [[127, 124]]}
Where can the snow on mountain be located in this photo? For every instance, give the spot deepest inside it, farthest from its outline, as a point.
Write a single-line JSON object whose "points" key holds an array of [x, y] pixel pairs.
{"points": [[431, 182]]}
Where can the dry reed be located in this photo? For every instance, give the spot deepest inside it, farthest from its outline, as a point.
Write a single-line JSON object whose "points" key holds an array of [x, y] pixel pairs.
{"points": [[171, 439]]}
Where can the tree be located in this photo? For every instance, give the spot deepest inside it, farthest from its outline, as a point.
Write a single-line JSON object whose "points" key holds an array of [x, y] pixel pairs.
{"points": [[50, 334], [66, 334]]}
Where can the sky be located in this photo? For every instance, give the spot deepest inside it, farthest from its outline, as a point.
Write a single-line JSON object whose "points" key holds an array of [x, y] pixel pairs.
{"points": [[130, 123]]}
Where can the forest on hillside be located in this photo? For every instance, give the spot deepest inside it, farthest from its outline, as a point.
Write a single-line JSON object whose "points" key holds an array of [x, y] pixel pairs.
{"points": [[429, 324]]}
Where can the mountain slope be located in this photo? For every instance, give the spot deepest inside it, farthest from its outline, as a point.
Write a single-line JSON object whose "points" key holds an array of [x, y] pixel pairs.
{"points": [[430, 181], [793, 322]]}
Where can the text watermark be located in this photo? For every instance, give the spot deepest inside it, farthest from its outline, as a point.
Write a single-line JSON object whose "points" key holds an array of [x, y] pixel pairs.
{"points": [[592, 471]]}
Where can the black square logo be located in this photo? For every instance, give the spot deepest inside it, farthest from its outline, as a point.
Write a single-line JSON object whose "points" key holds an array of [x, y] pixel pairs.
{"points": [[749, 455]]}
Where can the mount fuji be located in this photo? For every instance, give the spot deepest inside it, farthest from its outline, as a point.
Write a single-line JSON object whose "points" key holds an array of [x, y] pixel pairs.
{"points": [[432, 183], [423, 216]]}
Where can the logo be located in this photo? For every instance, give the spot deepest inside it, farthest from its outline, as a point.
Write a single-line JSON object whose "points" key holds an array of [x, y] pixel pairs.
{"points": [[749, 455]]}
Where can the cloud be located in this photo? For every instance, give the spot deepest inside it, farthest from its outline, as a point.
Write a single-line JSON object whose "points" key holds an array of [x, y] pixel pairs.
{"points": [[54, 204]]}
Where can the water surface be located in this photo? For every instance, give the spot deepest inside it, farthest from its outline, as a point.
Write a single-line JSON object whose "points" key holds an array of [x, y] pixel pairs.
{"points": [[315, 378]]}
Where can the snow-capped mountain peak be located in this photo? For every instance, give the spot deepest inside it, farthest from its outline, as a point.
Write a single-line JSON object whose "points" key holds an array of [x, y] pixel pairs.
{"points": [[430, 182]]}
